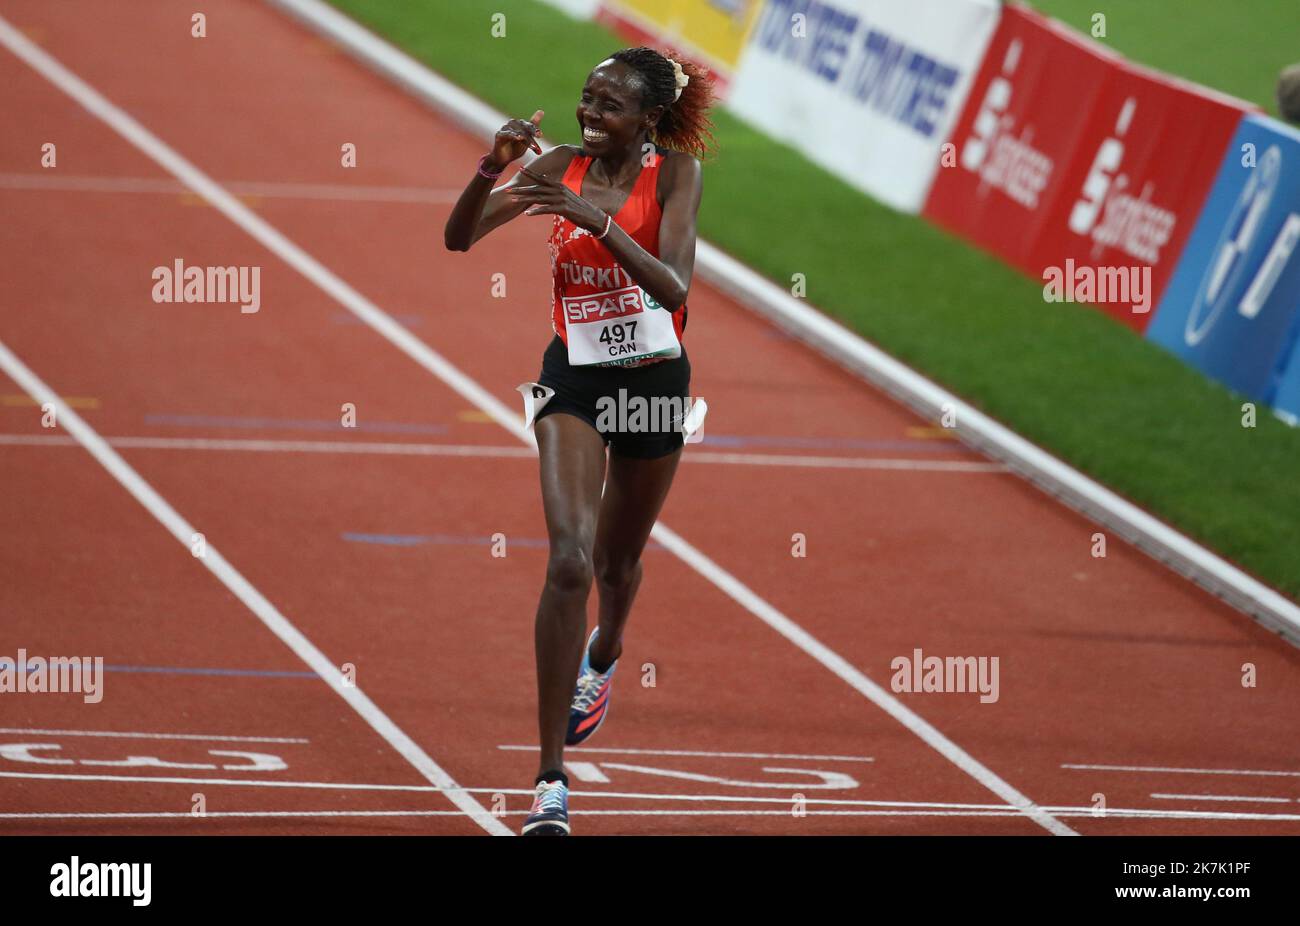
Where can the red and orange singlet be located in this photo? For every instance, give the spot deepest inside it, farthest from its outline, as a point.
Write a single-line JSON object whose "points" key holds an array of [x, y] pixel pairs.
{"points": [[600, 313]]}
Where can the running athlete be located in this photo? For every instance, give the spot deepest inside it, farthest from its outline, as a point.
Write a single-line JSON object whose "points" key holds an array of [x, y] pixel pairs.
{"points": [[622, 248]]}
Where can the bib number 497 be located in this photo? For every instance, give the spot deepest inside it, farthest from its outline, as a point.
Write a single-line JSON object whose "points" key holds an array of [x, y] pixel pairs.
{"points": [[618, 333]]}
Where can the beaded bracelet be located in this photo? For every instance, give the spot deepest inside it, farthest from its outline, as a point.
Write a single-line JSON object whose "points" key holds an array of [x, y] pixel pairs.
{"points": [[487, 173], [608, 220]]}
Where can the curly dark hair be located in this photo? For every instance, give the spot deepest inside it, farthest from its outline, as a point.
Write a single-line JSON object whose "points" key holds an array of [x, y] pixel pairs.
{"points": [[685, 124]]}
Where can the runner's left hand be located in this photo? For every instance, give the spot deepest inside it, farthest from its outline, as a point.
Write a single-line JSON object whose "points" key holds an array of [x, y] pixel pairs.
{"points": [[545, 196]]}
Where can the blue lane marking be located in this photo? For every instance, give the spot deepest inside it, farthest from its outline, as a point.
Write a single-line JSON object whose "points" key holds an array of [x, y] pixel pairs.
{"points": [[186, 670], [412, 540], [846, 443], [415, 540], [313, 424], [400, 427]]}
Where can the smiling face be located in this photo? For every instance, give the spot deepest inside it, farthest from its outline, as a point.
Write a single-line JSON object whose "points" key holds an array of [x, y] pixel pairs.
{"points": [[610, 113]]}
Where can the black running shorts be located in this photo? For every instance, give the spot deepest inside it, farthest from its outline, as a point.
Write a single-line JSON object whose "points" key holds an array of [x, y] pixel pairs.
{"points": [[595, 394]]}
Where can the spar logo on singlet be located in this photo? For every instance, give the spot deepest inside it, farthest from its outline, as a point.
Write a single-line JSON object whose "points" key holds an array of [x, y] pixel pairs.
{"points": [[616, 303]]}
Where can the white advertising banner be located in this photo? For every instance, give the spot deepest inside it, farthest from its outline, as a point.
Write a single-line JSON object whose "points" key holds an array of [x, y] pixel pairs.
{"points": [[868, 89]]}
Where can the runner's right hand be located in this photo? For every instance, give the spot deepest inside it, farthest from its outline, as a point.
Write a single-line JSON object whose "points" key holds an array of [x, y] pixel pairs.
{"points": [[516, 137]]}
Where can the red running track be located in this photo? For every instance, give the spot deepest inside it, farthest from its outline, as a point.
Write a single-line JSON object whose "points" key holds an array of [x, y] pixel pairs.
{"points": [[1119, 681]]}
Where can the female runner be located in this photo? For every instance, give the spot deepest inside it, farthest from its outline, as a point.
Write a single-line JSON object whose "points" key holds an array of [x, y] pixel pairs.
{"points": [[622, 249]]}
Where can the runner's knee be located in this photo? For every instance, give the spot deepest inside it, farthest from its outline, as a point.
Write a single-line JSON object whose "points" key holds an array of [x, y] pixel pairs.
{"points": [[569, 569], [616, 572]]}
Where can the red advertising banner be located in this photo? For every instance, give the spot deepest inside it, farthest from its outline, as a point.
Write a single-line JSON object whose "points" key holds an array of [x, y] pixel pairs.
{"points": [[1132, 195], [1025, 118], [1085, 171]]}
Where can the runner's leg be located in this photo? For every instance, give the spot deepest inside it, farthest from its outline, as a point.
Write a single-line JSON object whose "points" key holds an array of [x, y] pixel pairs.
{"points": [[572, 458], [635, 491]]}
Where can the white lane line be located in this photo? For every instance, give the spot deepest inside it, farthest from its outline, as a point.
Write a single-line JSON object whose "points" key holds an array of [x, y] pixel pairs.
{"points": [[882, 808], [829, 780], [1183, 771], [483, 450], [231, 578], [202, 737], [586, 771], [235, 782], [1136, 814], [439, 366], [420, 788], [697, 752], [1222, 797], [625, 795], [68, 183]]}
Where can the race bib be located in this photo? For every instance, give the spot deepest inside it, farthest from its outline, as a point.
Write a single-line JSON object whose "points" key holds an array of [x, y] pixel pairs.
{"points": [[617, 327]]}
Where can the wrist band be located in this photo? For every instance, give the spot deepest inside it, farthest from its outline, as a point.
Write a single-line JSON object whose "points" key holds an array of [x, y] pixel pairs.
{"points": [[487, 173], [608, 221]]}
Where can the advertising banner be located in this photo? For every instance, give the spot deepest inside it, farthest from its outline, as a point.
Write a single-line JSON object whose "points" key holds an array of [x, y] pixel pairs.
{"points": [[1084, 170], [868, 89], [1131, 197], [711, 32], [1023, 124], [1232, 307]]}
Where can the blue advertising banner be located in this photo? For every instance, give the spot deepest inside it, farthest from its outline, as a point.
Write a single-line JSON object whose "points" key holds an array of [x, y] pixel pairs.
{"points": [[1232, 308], [1287, 400]]}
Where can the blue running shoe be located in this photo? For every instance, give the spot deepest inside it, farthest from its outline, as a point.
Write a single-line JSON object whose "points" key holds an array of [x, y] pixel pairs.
{"points": [[550, 813], [590, 698]]}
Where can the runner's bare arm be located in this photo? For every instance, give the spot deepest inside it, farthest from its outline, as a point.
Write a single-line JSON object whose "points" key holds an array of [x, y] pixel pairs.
{"points": [[481, 208], [666, 278], [685, 188]]}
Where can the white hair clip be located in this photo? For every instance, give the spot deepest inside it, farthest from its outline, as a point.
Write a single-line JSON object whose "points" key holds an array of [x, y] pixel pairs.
{"points": [[680, 78]]}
